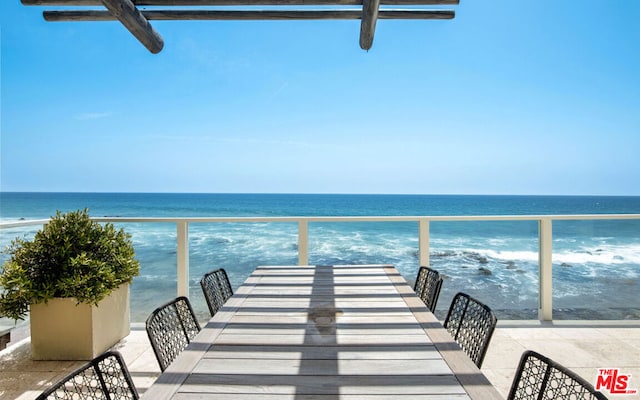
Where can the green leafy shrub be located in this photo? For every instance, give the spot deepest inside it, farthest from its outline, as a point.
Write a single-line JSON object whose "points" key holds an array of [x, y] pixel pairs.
{"points": [[72, 256]]}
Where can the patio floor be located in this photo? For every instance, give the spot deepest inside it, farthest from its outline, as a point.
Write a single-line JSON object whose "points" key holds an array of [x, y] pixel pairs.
{"points": [[582, 346]]}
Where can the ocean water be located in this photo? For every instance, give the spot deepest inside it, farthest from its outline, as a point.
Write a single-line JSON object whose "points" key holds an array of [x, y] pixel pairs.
{"points": [[596, 264]]}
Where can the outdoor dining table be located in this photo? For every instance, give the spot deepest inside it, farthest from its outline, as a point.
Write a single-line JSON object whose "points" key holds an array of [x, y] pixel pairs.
{"points": [[323, 332]]}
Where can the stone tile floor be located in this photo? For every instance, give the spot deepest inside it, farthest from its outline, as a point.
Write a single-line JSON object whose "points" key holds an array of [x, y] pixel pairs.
{"points": [[583, 346]]}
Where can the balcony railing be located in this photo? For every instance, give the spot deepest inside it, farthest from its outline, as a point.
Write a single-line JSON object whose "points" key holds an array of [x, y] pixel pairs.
{"points": [[545, 238]]}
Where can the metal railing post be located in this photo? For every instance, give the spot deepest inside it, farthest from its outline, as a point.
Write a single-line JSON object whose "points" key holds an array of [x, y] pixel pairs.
{"points": [[303, 242], [423, 242], [545, 295], [183, 258]]}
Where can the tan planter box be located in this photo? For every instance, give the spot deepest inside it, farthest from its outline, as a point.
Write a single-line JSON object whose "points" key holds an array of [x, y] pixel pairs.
{"points": [[62, 330]]}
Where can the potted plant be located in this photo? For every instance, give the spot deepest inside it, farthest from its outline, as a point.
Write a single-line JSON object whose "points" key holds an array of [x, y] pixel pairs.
{"points": [[74, 279]]}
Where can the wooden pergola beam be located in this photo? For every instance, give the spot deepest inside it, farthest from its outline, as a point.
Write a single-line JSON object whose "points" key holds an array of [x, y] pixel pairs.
{"points": [[137, 21], [129, 15], [211, 15], [178, 3], [368, 23]]}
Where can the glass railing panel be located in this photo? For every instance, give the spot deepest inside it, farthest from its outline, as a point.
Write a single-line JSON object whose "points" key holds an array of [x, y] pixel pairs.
{"points": [[596, 269], [155, 246], [396, 243], [494, 261], [10, 234], [238, 248]]}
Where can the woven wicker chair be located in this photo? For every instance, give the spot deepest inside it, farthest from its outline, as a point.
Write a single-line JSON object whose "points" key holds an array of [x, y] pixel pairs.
{"points": [[471, 323], [539, 377], [216, 288], [427, 286], [171, 327], [104, 377]]}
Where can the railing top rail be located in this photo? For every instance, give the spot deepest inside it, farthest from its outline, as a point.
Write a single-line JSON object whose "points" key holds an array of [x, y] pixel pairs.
{"points": [[26, 222], [292, 219]]}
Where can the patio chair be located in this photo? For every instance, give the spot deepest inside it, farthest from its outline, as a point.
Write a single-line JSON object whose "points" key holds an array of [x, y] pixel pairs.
{"points": [[427, 287], [471, 323], [171, 327], [540, 377], [216, 288], [104, 377]]}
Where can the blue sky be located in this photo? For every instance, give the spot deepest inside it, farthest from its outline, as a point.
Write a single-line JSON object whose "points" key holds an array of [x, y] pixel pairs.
{"points": [[510, 97]]}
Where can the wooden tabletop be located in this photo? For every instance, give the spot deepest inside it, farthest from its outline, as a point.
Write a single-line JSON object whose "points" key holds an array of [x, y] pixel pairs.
{"points": [[323, 332]]}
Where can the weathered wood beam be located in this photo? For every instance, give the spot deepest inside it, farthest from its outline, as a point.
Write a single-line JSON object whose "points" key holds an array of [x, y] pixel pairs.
{"points": [[368, 23], [170, 3], [127, 13], [416, 14], [204, 15]]}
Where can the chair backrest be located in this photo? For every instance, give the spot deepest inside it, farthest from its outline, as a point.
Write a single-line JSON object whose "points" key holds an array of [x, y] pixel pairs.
{"points": [[171, 327], [216, 288], [427, 286], [106, 377], [540, 377], [471, 323]]}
